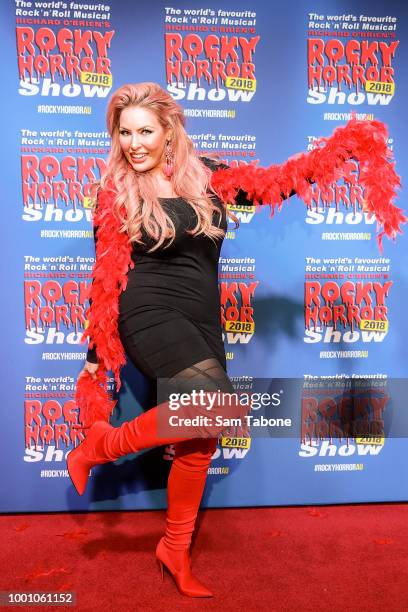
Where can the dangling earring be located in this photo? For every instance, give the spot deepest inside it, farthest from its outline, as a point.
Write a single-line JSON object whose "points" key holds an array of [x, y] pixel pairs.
{"points": [[169, 166]]}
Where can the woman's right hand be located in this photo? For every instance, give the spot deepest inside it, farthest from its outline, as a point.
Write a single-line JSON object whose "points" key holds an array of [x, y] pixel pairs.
{"points": [[90, 368]]}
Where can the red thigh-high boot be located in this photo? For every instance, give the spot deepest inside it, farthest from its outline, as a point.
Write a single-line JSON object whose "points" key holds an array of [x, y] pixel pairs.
{"points": [[155, 427], [185, 489]]}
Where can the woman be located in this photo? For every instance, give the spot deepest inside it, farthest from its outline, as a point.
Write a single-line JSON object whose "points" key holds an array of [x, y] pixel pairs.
{"points": [[159, 228]]}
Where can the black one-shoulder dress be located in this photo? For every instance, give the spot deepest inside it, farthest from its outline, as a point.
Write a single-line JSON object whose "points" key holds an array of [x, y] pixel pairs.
{"points": [[169, 313]]}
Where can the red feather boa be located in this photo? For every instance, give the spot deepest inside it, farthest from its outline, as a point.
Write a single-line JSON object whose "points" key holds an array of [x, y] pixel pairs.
{"points": [[364, 141], [113, 260]]}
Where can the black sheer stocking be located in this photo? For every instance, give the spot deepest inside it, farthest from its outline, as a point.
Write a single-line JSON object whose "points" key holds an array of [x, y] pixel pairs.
{"points": [[208, 375], [213, 398]]}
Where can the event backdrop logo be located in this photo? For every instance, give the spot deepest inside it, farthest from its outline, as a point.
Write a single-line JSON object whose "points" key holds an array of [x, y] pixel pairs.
{"points": [[64, 51], [343, 417], [209, 54], [50, 422], [62, 181], [55, 312], [358, 307], [350, 60]]}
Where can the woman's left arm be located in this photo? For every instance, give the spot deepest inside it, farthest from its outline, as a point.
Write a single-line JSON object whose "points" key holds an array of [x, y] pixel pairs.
{"points": [[364, 141]]}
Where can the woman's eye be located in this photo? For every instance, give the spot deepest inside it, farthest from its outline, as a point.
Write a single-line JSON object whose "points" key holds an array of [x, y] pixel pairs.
{"points": [[126, 132]]}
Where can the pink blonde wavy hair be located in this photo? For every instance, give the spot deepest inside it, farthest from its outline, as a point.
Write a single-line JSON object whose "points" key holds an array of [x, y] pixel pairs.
{"points": [[136, 204]]}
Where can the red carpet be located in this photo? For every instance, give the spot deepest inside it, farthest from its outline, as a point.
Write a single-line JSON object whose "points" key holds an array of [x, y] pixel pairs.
{"points": [[322, 558]]}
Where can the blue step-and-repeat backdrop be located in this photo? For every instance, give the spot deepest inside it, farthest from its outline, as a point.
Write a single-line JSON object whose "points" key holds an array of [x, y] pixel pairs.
{"points": [[258, 81]]}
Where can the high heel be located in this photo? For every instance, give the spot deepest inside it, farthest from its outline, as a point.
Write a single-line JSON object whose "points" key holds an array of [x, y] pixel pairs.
{"points": [[82, 458], [177, 562]]}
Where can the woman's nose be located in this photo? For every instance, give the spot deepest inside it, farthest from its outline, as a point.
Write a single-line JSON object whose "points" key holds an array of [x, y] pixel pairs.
{"points": [[134, 141]]}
